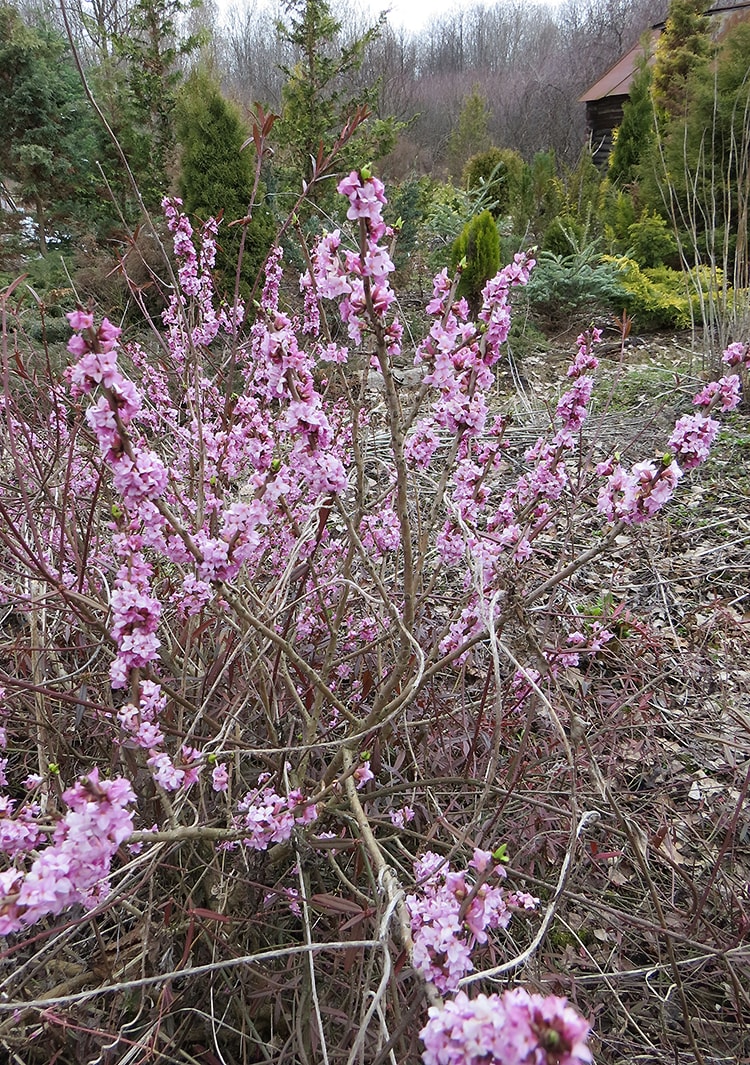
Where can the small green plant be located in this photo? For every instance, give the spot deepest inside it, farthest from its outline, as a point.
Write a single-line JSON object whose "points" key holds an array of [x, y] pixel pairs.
{"points": [[652, 242], [663, 298], [640, 385], [497, 175]]}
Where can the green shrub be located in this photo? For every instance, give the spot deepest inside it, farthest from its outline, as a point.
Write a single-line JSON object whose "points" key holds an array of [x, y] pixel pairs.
{"points": [[651, 241], [562, 286], [497, 175], [478, 248], [663, 298], [564, 235], [409, 205], [619, 214]]}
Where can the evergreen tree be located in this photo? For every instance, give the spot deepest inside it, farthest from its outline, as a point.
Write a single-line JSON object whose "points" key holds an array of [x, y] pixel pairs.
{"points": [[217, 176], [707, 152], [470, 136], [477, 250], [318, 97], [636, 131], [150, 51], [683, 46], [498, 174], [47, 143]]}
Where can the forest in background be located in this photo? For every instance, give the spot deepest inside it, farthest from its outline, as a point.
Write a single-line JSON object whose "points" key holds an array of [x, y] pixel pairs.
{"points": [[480, 111]]}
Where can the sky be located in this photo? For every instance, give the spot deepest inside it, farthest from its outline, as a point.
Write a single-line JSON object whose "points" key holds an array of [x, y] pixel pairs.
{"points": [[413, 15], [410, 15]]}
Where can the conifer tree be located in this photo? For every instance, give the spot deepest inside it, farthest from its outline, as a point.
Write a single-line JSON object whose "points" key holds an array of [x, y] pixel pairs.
{"points": [[47, 142], [636, 130], [318, 97], [470, 134], [499, 174], [684, 45], [217, 175], [151, 50], [477, 251]]}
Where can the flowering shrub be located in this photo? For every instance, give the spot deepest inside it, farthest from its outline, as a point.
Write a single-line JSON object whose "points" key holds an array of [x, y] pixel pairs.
{"points": [[237, 621]]}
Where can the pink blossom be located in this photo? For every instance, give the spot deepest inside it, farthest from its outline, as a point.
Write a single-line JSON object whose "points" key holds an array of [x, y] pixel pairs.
{"points": [[737, 354], [166, 774], [74, 867], [692, 439], [636, 495], [399, 818], [444, 935], [80, 319], [726, 392], [515, 1028], [363, 774], [220, 777], [268, 817]]}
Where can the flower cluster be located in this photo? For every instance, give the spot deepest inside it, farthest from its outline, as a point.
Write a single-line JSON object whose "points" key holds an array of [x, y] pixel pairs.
{"points": [[635, 495], [515, 1028], [451, 913], [75, 867], [271, 818]]}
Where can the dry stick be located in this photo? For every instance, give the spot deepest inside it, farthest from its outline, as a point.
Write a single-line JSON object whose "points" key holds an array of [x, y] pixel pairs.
{"points": [[182, 974], [386, 877], [379, 994], [304, 895], [731, 828]]}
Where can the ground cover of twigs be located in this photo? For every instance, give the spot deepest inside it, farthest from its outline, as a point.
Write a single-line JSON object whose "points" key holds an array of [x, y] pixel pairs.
{"points": [[334, 701]]}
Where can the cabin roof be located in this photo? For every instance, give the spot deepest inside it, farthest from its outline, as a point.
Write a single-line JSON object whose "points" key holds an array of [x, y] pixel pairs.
{"points": [[618, 79]]}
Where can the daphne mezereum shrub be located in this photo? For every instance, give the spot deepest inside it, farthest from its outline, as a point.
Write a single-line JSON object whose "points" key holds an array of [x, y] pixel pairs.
{"points": [[236, 582]]}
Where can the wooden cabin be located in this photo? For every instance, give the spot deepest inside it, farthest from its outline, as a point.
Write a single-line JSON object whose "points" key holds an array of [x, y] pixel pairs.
{"points": [[605, 98]]}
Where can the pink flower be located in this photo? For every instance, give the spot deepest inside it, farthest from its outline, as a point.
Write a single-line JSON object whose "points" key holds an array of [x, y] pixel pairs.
{"points": [[726, 391], [363, 774], [443, 934], [692, 439], [220, 778], [80, 319], [737, 354], [165, 772], [74, 866], [514, 1028]]}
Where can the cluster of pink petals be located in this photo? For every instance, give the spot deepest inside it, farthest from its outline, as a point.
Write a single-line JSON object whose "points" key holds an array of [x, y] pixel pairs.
{"points": [[585, 361], [75, 866], [737, 354], [633, 496], [358, 280], [366, 200], [726, 392], [135, 620], [444, 929], [515, 1028], [692, 438], [195, 285], [573, 405], [268, 817]]}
